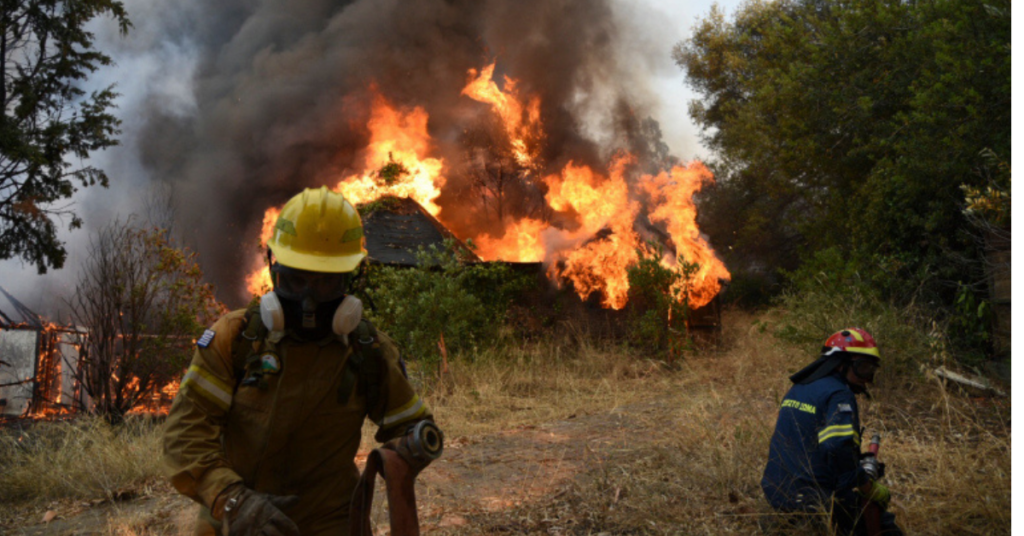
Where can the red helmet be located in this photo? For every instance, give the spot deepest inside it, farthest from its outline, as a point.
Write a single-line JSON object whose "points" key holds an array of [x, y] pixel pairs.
{"points": [[852, 340]]}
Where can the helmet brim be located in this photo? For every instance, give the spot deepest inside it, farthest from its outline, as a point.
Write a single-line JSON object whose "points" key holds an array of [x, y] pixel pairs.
{"points": [[318, 263]]}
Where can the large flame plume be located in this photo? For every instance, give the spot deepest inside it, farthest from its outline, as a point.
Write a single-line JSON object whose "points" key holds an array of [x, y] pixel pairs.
{"points": [[592, 229], [522, 123], [399, 142]]}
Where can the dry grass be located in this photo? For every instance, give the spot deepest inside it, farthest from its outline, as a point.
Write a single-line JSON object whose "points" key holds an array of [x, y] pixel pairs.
{"points": [[689, 460], [697, 469], [532, 383], [81, 459]]}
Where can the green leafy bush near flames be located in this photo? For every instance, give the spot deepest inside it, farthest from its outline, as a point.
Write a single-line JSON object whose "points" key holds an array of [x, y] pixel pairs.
{"points": [[659, 301], [444, 295]]}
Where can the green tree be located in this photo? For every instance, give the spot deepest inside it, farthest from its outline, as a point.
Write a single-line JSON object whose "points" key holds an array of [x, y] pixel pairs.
{"points": [[142, 301], [853, 126], [49, 125]]}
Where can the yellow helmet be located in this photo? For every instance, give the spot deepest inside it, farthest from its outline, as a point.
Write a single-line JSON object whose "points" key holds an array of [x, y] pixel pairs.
{"points": [[320, 231]]}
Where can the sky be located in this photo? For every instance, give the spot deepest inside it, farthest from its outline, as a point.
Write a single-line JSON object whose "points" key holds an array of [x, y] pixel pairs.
{"points": [[681, 135], [147, 70]]}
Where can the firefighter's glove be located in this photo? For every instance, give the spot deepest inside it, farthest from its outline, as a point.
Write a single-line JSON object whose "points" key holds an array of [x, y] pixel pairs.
{"points": [[248, 513], [879, 494]]}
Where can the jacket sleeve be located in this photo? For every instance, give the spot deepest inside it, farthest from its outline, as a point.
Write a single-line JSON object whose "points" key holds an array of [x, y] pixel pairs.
{"points": [[840, 440], [403, 407], [192, 453]]}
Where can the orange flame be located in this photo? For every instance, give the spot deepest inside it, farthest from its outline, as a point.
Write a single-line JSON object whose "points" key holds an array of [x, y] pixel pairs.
{"points": [[602, 203], [258, 282], [397, 137], [671, 194], [522, 242], [521, 123]]}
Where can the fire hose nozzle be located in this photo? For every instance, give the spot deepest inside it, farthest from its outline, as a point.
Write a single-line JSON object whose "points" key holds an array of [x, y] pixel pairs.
{"points": [[425, 441], [870, 463]]}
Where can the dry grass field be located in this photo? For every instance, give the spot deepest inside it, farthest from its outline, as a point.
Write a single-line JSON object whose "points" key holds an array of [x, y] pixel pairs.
{"points": [[573, 436]]}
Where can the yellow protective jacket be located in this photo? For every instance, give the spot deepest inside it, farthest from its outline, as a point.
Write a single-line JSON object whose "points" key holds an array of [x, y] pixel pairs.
{"points": [[292, 435]]}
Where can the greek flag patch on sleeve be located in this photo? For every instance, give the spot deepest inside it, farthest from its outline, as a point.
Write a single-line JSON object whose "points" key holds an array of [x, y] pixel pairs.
{"points": [[206, 339], [845, 408]]}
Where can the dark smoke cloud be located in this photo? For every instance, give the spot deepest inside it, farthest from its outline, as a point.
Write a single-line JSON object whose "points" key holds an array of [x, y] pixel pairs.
{"points": [[281, 93]]}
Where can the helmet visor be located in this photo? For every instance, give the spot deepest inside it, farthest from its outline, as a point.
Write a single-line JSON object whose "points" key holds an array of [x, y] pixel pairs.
{"points": [[865, 369], [295, 284]]}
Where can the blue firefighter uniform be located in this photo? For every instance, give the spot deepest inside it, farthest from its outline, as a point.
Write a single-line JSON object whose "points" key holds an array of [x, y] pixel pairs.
{"points": [[814, 456], [815, 449]]}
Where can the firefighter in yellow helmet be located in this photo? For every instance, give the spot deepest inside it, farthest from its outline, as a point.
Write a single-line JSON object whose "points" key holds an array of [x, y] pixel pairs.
{"points": [[264, 430]]}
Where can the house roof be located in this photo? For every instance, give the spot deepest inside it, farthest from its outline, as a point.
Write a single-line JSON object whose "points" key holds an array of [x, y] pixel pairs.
{"points": [[396, 228], [13, 313]]}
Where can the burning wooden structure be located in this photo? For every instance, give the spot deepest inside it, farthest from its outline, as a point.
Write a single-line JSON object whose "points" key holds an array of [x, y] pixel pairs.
{"points": [[39, 363], [42, 367]]}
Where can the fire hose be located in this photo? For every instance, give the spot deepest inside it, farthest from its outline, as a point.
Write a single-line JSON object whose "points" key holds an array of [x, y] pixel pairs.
{"points": [[871, 510], [398, 464]]}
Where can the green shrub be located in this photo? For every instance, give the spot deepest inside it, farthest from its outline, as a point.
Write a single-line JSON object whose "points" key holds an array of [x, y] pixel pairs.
{"points": [[826, 296], [970, 326], [751, 290], [391, 172], [659, 300], [444, 294]]}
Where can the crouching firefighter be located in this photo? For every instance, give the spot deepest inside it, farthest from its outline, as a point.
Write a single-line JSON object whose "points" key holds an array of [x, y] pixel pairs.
{"points": [[814, 456], [265, 428]]}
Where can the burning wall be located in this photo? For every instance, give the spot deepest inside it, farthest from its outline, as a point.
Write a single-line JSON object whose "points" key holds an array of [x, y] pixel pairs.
{"points": [[18, 348], [38, 369]]}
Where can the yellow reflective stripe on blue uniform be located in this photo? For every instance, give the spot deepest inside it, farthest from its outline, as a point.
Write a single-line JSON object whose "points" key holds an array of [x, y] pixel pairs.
{"points": [[802, 406], [412, 409], [839, 430], [207, 385]]}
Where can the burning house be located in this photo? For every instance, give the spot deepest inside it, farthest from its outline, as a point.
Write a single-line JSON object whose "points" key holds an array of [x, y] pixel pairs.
{"points": [[525, 126], [39, 361], [584, 223]]}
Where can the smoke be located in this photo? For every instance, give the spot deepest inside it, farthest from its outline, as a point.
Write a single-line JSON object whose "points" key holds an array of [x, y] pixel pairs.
{"points": [[234, 106]]}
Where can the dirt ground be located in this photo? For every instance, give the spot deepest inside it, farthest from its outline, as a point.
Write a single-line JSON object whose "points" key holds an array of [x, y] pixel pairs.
{"points": [[476, 477]]}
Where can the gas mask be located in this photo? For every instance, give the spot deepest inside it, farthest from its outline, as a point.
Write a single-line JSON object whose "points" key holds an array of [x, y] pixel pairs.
{"points": [[313, 304]]}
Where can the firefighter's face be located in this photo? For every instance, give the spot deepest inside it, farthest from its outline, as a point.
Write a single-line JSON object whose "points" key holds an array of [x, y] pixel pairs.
{"points": [[862, 371]]}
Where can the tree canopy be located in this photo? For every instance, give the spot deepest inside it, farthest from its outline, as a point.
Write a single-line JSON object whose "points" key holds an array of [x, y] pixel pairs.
{"points": [[854, 127], [48, 120]]}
